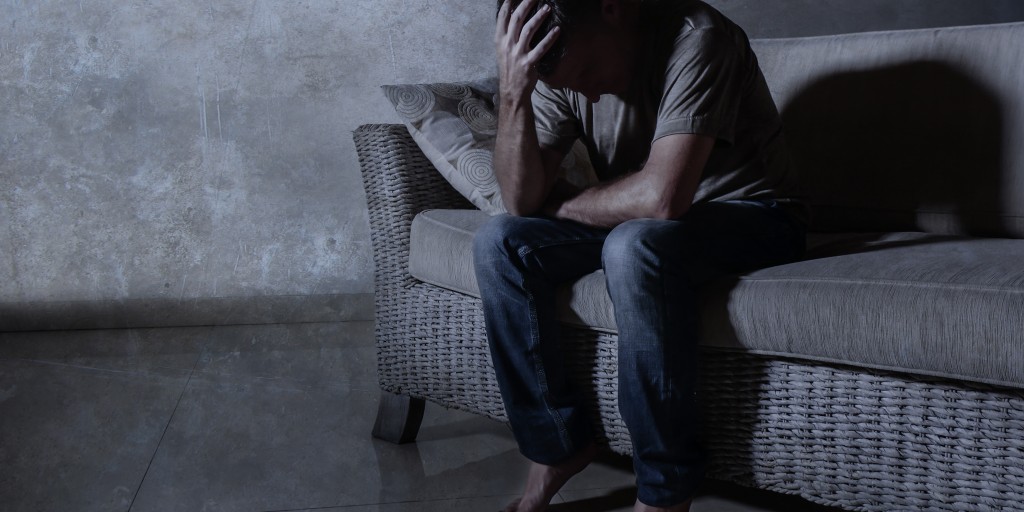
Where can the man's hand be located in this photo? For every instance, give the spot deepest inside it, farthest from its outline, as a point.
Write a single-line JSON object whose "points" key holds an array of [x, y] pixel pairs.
{"points": [[516, 60], [663, 189], [561, 192]]}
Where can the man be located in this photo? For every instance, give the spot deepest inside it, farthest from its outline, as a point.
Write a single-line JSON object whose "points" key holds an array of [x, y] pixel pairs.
{"points": [[695, 183]]}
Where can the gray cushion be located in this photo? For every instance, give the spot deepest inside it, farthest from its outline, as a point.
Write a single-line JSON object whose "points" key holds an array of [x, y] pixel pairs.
{"points": [[946, 306], [441, 248], [441, 253], [455, 124], [927, 304], [914, 130]]}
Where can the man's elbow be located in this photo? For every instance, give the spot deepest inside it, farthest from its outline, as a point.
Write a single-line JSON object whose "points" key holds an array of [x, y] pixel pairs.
{"points": [[518, 209], [670, 209]]}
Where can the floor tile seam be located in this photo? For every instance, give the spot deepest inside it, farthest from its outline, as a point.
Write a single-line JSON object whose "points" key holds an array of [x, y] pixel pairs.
{"points": [[264, 324], [186, 327], [251, 324], [584, 487], [116, 371], [284, 383], [600, 488], [163, 434], [355, 296], [398, 502]]}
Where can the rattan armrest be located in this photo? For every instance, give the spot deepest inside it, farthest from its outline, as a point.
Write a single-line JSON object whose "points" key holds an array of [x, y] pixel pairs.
{"points": [[399, 182]]}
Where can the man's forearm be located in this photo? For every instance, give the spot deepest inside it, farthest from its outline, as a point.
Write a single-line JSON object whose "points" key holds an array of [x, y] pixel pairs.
{"points": [[518, 163], [610, 203], [663, 189]]}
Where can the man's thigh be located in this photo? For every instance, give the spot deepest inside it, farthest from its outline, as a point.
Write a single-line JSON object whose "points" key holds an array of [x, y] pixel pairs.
{"points": [[745, 235], [711, 240], [556, 249]]}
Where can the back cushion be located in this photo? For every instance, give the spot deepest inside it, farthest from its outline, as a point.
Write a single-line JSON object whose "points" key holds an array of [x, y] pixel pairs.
{"points": [[907, 130]]}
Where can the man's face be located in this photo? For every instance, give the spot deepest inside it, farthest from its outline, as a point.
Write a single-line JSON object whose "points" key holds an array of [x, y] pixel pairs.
{"points": [[595, 63]]}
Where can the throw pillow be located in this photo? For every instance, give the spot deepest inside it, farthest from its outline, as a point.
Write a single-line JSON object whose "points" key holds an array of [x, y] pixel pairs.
{"points": [[455, 125]]}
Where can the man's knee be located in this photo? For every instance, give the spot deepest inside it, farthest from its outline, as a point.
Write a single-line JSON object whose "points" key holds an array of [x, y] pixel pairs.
{"points": [[495, 237], [632, 242]]}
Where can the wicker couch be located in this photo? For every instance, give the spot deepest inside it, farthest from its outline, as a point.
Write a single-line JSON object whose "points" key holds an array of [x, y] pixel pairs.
{"points": [[884, 372]]}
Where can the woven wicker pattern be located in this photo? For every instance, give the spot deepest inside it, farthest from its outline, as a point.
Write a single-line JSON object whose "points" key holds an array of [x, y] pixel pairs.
{"points": [[841, 436], [863, 440]]}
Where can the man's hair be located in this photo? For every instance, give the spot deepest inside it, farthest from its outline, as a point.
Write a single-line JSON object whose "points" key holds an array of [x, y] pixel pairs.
{"points": [[568, 15]]}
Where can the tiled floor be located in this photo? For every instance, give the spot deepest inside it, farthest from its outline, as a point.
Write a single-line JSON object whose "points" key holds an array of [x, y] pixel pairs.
{"points": [[255, 418]]}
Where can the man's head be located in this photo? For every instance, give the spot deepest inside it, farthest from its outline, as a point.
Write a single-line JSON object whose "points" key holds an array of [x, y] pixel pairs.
{"points": [[568, 15], [594, 51]]}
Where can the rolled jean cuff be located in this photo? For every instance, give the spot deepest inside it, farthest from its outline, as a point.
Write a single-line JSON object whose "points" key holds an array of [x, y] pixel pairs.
{"points": [[552, 451], [667, 497]]}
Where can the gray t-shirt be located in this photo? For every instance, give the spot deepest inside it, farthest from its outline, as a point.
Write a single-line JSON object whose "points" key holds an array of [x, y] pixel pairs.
{"points": [[696, 74]]}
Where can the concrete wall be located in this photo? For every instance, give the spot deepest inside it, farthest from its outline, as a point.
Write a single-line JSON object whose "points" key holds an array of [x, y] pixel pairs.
{"points": [[191, 161], [167, 161]]}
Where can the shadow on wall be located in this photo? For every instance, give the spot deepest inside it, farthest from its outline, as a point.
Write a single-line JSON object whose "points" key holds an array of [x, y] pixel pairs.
{"points": [[911, 147], [916, 146]]}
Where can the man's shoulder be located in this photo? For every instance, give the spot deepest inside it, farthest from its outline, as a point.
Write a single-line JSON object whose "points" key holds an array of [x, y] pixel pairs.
{"points": [[695, 13], [690, 21]]}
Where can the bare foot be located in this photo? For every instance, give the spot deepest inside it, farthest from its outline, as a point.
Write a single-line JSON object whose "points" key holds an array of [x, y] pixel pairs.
{"points": [[544, 481], [640, 507]]}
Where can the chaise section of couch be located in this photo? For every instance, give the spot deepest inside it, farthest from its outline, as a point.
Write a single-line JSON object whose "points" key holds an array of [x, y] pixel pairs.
{"points": [[883, 372]]}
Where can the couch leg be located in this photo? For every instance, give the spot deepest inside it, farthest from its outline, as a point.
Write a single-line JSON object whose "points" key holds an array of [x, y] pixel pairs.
{"points": [[398, 418]]}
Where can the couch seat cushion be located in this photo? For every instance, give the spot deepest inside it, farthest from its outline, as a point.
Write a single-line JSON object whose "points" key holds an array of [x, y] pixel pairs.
{"points": [[441, 248], [937, 305], [934, 305], [441, 253]]}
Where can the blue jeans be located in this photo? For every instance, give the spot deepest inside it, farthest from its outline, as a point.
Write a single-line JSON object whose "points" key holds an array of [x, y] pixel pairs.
{"points": [[653, 269]]}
